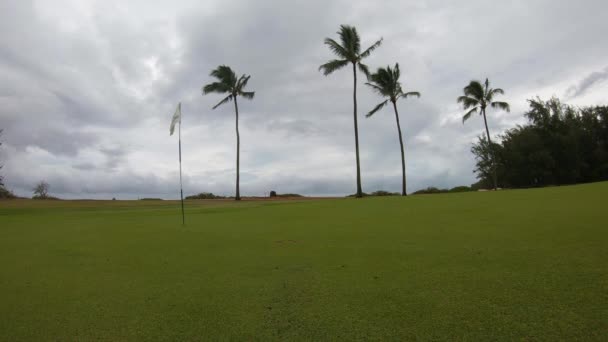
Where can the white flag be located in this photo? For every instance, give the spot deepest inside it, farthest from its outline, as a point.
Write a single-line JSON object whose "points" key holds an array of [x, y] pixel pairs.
{"points": [[177, 117]]}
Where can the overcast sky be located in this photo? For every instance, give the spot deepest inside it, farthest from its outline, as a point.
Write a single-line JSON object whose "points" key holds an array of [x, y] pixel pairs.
{"points": [[88, 88]]}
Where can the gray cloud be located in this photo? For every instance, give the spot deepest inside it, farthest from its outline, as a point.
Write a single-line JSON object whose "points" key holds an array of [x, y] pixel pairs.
{"points": [[587, 83], [89, 87]]}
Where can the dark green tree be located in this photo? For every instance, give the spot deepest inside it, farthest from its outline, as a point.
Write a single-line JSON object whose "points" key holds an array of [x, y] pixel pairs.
{"points": [[385, 82], [561, 144], [477, 98], [228, 83], [348, 52]]}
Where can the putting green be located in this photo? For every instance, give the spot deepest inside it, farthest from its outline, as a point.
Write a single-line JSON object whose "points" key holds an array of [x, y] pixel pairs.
{"points": [[510, 265]]}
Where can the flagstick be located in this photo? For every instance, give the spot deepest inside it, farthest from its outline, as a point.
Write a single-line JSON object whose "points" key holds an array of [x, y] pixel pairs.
{"points": [[181, 186]]}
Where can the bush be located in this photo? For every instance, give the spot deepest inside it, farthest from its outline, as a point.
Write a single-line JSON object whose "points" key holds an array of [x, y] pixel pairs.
{"points": [[205, 195], [273, 193], [362, 195], [462, 188], [377, 193], [47, 197], [384, 193], [434, 190], [430, 190], [289, 195]]}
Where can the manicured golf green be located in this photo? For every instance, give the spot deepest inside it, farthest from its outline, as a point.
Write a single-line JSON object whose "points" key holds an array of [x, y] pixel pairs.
{"points": [[509, 265]]}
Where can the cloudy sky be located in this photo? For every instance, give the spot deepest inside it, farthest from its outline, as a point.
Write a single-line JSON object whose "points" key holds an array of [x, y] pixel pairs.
{"points": [[87, 90]]}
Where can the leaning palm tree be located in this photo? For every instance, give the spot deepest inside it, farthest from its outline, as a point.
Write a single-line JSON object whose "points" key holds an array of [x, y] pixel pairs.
{"points": [[349, 51], [476, 98], [385, 82], [228, 83]]}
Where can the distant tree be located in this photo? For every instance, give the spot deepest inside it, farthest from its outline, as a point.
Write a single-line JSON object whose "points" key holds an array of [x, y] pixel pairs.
{"points": [[42, 190], [348, 51], [385, 82], [228, 83], [477, 98], [273, 194]]}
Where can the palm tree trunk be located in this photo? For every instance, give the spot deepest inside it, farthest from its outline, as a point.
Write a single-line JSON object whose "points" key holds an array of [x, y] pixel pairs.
{"points": [[491, 149], [359, 191], [403, 192], [238, 148]]}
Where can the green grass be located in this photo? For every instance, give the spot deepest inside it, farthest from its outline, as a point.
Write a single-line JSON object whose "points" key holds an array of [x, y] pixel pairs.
{"points": [[511, 265]]}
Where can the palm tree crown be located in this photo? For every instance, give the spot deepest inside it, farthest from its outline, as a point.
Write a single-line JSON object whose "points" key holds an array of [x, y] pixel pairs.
{"points": [[349, 51], [477, 97], [385, 82], [228, 83]]}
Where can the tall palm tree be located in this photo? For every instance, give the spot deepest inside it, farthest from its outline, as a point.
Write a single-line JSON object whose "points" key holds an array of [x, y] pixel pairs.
{"points": [[228, 83], [476, 98], [385, 82], [349, 51]]}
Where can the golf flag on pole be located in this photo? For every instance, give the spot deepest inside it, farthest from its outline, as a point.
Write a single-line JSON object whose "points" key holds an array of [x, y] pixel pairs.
{"points": [[177, 119]]}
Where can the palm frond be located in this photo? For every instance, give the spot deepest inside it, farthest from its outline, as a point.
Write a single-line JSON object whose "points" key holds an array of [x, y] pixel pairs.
{"points": [[377, 88], [410, 93], [468, 114], [377, 108], [501, 105], [350, 39], [474, 90], [226, 99], [370, 49], [332, 66], [468, 102], [497, 91], [364, 69], [336, 48], [216, 87], [242, 82], [225, 75], [247, 94], [396, 72]]}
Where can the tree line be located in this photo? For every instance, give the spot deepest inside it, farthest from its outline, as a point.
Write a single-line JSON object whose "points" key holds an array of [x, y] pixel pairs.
{"points": [[560, 144]]}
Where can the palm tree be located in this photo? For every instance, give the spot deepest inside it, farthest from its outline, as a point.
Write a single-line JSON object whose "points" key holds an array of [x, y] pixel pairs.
{"points": [[227, 83], [476, 98], [386, 83], [349, 51]]}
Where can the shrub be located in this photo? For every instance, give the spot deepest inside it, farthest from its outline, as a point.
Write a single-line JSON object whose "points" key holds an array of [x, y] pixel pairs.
{"points": [[384, 193], [462, 188], [289, 195], [205, 195]]}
